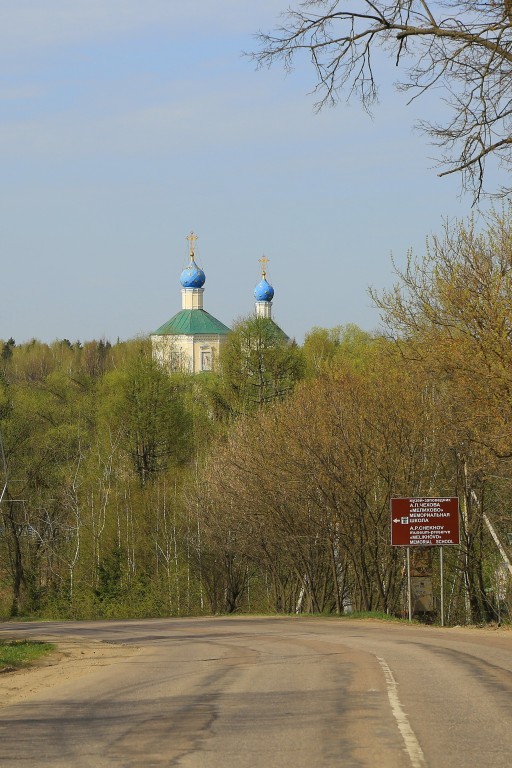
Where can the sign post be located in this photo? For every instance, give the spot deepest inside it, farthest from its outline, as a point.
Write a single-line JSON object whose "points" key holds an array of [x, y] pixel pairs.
{"points": [[425, 522], [441, 577], [409, 597]]}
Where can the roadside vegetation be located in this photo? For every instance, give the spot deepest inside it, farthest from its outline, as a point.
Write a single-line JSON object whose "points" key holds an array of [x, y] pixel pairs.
{"points": [[19, 653], [265, 486], [376, 616]]}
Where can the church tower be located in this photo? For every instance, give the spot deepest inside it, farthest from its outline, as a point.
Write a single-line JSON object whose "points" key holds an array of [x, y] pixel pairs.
{"points": [[264, 293], [191, 340]]}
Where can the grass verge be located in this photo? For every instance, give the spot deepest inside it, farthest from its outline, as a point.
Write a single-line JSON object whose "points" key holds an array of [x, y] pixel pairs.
{"points": [[380, 615], [20, 653]]}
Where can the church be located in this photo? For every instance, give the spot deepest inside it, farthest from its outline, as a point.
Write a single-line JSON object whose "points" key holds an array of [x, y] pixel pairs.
{"points": [[192, 339]]}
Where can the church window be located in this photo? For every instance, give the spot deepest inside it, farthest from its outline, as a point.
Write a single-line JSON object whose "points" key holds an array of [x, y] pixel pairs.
{"points": [[206, 360]]}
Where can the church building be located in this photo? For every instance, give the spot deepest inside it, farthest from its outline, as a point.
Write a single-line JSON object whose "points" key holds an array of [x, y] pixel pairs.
{"points": [[192, 339]]}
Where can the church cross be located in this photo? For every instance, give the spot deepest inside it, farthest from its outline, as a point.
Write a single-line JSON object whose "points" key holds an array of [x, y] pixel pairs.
{"points": [[191, 240], [263, 261]]}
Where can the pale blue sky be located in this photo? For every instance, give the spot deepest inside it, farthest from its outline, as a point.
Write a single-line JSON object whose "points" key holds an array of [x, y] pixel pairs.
{"points": [[124, 124]]}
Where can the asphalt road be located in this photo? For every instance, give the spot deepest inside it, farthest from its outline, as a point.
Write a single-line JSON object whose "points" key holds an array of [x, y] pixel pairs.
{"points": [[251, 692]]}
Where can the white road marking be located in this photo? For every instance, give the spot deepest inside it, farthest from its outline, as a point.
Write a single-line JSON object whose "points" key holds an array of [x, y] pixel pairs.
{"points": [[411, 742]]}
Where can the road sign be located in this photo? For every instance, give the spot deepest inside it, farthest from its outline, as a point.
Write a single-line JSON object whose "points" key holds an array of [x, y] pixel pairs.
{"points": [[424, 522]]}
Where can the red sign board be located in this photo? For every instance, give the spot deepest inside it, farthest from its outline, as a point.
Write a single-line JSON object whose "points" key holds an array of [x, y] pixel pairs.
{"points": [[424, 522]]}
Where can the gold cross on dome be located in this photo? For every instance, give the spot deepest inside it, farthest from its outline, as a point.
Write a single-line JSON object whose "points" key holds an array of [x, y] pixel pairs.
{"points": [[191, 240], [263, 261]]}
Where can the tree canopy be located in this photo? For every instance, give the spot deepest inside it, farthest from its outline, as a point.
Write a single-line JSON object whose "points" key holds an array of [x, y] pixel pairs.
{"points": [[259, 364], [266, 486]]}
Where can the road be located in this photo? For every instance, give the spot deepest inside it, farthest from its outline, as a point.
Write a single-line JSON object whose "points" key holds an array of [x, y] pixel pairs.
{"points": [[251, 692]]}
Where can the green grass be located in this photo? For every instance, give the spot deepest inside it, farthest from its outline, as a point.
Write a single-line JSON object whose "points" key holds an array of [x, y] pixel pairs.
{"points": [[19, 653], [380, 615]]}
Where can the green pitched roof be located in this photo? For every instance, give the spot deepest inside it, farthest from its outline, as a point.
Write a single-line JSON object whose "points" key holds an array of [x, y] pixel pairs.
{"points": [[280, 331], [188, 322]]}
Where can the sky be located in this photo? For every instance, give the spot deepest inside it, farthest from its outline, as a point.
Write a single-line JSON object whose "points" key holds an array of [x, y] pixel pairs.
{"points": [[126, 124]]}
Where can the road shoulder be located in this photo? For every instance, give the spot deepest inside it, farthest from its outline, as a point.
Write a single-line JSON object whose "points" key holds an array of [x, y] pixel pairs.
{"points": [[72, 659]]}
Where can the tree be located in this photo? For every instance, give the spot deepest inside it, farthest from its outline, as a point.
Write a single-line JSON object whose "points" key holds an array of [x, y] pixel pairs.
{"points": [[145, 405], [6, 353], [220, 543], [41, 423], [301, 490], [94, 438], [451, 315], [324, 347], [463, 48], [259, 365], [451, 311]]}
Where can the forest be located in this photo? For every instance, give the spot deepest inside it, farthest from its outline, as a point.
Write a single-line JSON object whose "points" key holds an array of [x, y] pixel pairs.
{"points": [[264, 486]]}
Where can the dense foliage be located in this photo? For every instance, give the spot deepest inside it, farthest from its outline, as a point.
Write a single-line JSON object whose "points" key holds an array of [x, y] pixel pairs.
{"points": [[265, 485]]}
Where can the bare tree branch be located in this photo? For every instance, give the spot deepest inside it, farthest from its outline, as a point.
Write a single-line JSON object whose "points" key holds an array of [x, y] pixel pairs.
{"points": [[465, 48]]}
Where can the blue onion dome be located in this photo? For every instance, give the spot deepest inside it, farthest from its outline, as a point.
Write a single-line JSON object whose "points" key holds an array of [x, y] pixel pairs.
{"points": [[263, 291], [192, 276]]}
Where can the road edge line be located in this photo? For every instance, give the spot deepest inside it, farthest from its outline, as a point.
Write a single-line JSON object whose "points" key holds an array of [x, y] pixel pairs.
{"points": [[412, 744]]}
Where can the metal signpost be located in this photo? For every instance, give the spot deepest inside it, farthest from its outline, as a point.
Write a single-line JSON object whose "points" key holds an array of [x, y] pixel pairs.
{"points": [[425, 522]]}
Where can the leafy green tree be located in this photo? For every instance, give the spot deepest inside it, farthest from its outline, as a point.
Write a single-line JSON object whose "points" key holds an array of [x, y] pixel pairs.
{"points": [[7, 349], [94, 357], [259, 365], [345, 344], [146, 406], [41, 426]]}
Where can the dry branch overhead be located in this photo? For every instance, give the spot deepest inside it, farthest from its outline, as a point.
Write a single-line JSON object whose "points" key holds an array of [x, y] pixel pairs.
{"points": [[462, 50]]}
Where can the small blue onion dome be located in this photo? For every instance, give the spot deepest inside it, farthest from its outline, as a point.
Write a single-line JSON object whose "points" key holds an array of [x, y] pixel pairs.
{"points": [[192, 276], [263, 291]]}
